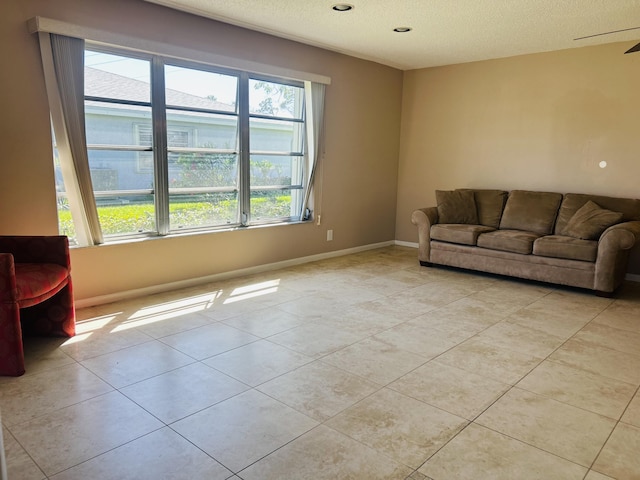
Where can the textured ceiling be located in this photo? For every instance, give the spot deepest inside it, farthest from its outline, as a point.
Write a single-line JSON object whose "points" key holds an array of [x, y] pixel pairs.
{"points": [[444, 31]]}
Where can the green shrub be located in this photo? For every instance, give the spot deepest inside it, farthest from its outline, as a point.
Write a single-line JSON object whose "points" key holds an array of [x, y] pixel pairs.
{"points": [[140, 218]]}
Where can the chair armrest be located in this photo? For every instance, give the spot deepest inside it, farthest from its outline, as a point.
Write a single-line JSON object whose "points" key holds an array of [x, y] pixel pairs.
{"points": [[8, 292], [37, 249], [614, 246], [423, 218]]}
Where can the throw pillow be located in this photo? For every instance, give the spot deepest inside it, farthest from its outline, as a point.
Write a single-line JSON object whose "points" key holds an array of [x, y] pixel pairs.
{"points": [[590, 221], [457, 206]]}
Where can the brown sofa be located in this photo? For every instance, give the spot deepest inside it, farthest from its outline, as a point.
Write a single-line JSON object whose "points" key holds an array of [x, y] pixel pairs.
{"points": [[572, 239]]}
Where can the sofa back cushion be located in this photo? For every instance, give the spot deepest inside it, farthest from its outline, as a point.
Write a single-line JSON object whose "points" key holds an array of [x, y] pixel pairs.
{"points": [[531, 211], [490, 204], [572, 202], [456, 206]]}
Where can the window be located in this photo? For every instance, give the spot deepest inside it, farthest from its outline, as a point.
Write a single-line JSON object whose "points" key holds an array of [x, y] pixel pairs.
{"points": [[178, 146]]}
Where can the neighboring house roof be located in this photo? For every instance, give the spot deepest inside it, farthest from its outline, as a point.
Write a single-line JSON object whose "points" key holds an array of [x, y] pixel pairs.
{"points": [[99, 83]]}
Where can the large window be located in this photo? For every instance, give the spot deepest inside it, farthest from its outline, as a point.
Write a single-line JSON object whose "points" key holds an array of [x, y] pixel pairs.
{"points": [[176, 146]]}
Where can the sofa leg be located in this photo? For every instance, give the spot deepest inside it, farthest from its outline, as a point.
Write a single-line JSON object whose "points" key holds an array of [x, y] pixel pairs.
{"points": [[426, 264]]}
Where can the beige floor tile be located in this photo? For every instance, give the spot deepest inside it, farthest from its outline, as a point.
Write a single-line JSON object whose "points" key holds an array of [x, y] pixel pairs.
{"points": [[405, 429], [490, 361], [375, 360], [621, 314], [417, 337], [137, 363], [162, 327], [512, 292], [158, 455], [28, 397], [485, 310], [243, 429], [44, 353], [19, 465], [614, 338], [581, 389], [599, 360], [566, 431], [619, 458], [315, 339], [458, 327], [581, 305], [324, 454], [482, 454], [593, 475], [184, 391], [457, 391], [314, 306], [74, 434], [360, 321], [520, 339], [204, 342], [265, 322], [258, 362], [319, 390], [398, 307], [558, 323], [632, 414], [100, 341]]}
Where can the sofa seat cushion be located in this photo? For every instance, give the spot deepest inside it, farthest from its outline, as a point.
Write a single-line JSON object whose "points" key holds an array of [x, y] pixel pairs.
{"points": [[36, 282], [558, 246], [458, 233], [515, 241], [531, 211]]}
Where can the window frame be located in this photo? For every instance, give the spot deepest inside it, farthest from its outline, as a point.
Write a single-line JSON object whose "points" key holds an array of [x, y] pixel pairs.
{"points": [[160, 150]]}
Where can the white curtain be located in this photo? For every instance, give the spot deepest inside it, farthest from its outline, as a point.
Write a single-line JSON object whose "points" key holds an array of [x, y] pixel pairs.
{"points": [[314, 101], [63, 62]]}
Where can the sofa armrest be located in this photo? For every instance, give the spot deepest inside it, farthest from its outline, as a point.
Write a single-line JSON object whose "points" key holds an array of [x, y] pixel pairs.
{"points": [[614, 246], [423, 218], [37, 249]]}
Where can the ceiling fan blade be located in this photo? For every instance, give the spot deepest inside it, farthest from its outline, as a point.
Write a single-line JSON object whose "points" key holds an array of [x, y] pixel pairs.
{"points": [[607, 33], [634, 49]]}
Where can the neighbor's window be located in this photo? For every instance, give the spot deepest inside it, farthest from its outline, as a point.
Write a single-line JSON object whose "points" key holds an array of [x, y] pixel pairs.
{"points": [[176, 146]]}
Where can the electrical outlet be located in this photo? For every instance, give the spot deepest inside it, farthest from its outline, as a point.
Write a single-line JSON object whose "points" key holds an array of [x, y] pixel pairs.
{"points": [[329, 235]]}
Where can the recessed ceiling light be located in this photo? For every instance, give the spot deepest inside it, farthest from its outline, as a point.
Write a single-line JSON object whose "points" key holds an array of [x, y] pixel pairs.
{"points": [[402, 29], [342, 7]]}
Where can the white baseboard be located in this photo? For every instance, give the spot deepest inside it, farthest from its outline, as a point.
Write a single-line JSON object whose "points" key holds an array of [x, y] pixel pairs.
{"points": [[402, 243], [632, 277], [192, 282]]}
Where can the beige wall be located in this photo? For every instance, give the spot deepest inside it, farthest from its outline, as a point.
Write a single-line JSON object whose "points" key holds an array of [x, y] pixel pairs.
{"points": [[359, 175], [540, 122]]}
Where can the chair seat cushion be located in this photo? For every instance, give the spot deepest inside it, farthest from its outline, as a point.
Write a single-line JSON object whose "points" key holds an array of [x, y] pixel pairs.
{"points": [[458, 233], [36, 282]]}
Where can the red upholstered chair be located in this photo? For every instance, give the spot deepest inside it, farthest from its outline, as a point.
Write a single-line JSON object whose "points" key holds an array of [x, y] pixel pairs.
{"points": [[35, 294]]}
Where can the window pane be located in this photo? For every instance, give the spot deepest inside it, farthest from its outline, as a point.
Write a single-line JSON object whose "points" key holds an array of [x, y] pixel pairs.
{"points": [[113, 170], [117, 124], [277, 99], [195, 170], [126, 214], [202, 210], [117, 77], [202, 130], [275, 170], [272, 204], [275, 135], [187, 87]]}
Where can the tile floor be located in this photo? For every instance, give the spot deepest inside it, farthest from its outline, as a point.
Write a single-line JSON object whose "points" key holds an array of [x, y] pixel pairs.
{"points": [[365, 366]]}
